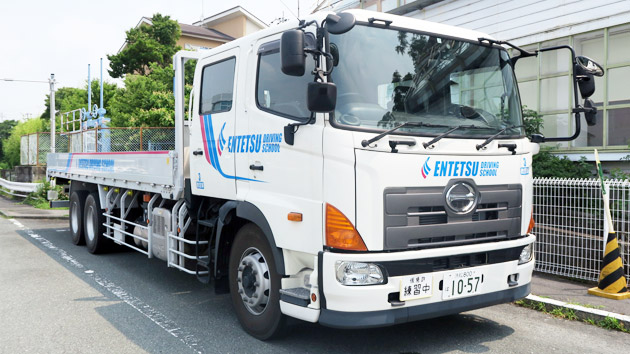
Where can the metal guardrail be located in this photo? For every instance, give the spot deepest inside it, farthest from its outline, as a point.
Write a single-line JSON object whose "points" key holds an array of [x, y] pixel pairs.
{"points": [[570, 226], [9, 187]]}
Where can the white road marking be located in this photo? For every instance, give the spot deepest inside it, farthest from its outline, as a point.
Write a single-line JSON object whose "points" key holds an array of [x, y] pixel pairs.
{"points": [[147, 311], [17, 223]]}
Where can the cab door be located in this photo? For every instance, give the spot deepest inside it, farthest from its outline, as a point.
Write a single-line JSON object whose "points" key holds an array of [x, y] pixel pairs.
{"points": [[211, 162], [281, 178]]}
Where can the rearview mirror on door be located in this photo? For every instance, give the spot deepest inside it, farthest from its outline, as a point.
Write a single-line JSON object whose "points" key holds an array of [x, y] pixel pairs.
{"points": [[292, 58]]}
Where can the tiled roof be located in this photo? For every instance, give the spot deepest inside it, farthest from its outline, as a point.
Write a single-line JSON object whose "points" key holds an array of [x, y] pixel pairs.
{"points": [[204, 32]]}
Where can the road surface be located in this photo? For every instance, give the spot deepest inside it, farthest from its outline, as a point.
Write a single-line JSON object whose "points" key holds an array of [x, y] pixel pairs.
{"points": [[56, 297]]}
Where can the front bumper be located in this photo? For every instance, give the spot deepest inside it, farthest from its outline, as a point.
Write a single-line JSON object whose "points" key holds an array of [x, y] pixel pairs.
{"points": [[377, 305], [338, 319]]}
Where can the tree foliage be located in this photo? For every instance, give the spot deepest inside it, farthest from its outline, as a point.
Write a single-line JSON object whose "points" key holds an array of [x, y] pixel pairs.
{"points": [[533, 121], [146, 44], [5, 131], [546, 164], [145, 100], [11, 146]]}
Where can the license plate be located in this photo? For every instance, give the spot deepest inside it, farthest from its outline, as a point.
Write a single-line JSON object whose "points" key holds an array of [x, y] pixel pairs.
{"points": [[416, 286], [462, 283]]}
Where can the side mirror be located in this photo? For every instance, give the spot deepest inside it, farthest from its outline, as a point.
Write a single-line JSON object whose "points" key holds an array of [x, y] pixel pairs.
{"points": [[321, 97], [292, 53], [590, 112], [339, 24], [589, 66], [584, 70]]}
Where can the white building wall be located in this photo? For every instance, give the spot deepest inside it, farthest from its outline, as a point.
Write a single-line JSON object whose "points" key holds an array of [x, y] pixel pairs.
{"points": [[528, 21]]}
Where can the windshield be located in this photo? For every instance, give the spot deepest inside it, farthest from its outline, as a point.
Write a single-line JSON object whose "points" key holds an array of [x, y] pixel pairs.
{"points": [[386, 77]]}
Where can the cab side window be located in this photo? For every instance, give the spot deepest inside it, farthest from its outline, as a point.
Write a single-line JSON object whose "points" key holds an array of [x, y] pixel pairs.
{"points": [[278, 93], [217, 87]]}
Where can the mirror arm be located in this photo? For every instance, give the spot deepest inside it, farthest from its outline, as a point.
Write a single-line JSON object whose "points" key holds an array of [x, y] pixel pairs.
{"points": [[523, 53], [577, 110]]}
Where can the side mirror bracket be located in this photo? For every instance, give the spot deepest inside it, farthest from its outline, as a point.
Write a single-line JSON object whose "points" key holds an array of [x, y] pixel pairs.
{"points": [[321, 95]]}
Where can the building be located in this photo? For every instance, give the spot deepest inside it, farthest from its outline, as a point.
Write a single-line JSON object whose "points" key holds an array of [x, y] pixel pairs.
{"points": [[599, 30], [235, 22], [215, 30]]}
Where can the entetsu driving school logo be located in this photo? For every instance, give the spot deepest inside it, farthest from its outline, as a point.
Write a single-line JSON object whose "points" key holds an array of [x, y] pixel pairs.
{"points": [[460, 168], [250, 143]]}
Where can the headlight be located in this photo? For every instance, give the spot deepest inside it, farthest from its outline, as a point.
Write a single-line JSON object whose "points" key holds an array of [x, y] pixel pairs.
{"points": [[358, 273], [526, 254]]}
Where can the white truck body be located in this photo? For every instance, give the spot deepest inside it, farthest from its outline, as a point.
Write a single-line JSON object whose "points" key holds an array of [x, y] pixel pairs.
{"points": [[233, 156]]}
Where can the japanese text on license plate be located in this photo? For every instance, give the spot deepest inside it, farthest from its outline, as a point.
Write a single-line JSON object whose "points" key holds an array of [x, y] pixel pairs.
{"points": [[416, 286]]}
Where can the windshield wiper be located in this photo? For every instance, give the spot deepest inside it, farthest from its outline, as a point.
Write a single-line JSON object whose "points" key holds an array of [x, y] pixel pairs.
{"points": [[510, 147], [365, 143], [437, 138]]}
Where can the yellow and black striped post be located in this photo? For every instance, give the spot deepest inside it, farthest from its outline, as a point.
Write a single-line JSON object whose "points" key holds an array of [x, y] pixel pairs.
{"points": [[612, 283]]}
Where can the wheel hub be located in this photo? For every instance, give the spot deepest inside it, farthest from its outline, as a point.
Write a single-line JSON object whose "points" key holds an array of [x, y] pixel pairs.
{"points": [[75, 217], [90, 234], [253, 281]]}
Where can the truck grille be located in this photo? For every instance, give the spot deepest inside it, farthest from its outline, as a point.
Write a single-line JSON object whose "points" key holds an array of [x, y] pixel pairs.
{"points": [[416, 217]]}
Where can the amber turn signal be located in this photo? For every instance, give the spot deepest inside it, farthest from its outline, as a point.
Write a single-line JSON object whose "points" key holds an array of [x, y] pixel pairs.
{"points": [[532, 223], [340, 233], [294, 217]]}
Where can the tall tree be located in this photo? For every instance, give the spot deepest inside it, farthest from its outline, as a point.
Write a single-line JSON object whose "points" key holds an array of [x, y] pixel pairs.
{"points": [[146, 44], [145, 100]]}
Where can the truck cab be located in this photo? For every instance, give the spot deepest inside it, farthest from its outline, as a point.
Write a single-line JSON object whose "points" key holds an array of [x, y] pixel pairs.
{"points": [[410, 199]]}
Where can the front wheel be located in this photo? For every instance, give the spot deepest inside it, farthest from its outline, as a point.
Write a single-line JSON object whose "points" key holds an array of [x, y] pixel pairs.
{"points": [[255, 284]]}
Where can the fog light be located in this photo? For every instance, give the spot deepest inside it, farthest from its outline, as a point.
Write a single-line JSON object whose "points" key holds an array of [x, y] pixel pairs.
{"points": [[526, 254], [358, 273]]}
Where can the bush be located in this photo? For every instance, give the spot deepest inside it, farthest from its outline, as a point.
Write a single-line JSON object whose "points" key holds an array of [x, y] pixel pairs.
{"points": [[532, 121], [39, 198], [546, 164]]}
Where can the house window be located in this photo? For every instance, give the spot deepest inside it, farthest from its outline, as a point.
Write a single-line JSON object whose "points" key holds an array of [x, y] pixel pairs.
{"points": [[545, 84]]}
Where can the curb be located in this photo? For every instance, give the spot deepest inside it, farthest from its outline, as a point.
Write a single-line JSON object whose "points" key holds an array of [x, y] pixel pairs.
{"points": [[582, 313], [49, 217]]}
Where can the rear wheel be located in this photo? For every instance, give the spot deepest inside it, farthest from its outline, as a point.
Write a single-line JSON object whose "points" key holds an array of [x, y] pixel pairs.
{"points": [[93, 225], [75, 217], [255, 284]]}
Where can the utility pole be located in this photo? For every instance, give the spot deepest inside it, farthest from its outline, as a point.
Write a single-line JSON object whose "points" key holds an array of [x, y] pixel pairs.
{"points": [[52, 82]]}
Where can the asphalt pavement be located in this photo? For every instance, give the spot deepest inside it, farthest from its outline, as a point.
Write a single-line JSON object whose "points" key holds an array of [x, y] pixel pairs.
{"points": [[56, 297]]}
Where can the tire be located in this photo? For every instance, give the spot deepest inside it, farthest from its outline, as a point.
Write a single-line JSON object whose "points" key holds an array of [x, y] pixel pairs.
{"points": [[75, 216], [93, 226], [251, 263]]}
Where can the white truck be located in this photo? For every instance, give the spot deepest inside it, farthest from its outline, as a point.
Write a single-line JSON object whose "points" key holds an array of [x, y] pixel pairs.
{"points": [[356, 169]]}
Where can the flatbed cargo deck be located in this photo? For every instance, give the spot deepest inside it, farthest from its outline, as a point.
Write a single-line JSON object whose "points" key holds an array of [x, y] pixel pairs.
{"points": [[147, 171]]}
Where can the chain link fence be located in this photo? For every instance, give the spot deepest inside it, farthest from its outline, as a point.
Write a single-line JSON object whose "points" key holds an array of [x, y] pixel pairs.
{"points": [[570, 226], [34, 148]]}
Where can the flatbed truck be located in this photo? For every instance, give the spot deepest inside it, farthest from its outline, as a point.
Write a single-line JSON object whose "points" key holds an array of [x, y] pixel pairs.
{"points": [[357, 170]]}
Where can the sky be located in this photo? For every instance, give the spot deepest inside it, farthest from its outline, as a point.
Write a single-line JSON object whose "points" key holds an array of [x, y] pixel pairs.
{"points": [[40, 37]]}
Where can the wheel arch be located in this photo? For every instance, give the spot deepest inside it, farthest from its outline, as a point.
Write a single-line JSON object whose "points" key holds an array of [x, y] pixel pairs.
{"points": [[232, 216]]}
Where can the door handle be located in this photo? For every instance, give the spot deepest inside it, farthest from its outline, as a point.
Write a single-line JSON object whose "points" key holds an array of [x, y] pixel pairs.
{"points": [[198, 152], [256, 167]]}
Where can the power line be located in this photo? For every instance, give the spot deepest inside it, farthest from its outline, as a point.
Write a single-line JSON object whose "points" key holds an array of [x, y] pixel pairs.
{"points": [[288, 8]]}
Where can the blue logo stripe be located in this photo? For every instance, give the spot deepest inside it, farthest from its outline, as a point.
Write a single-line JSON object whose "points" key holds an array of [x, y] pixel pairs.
{"points": [[214, 159]]}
